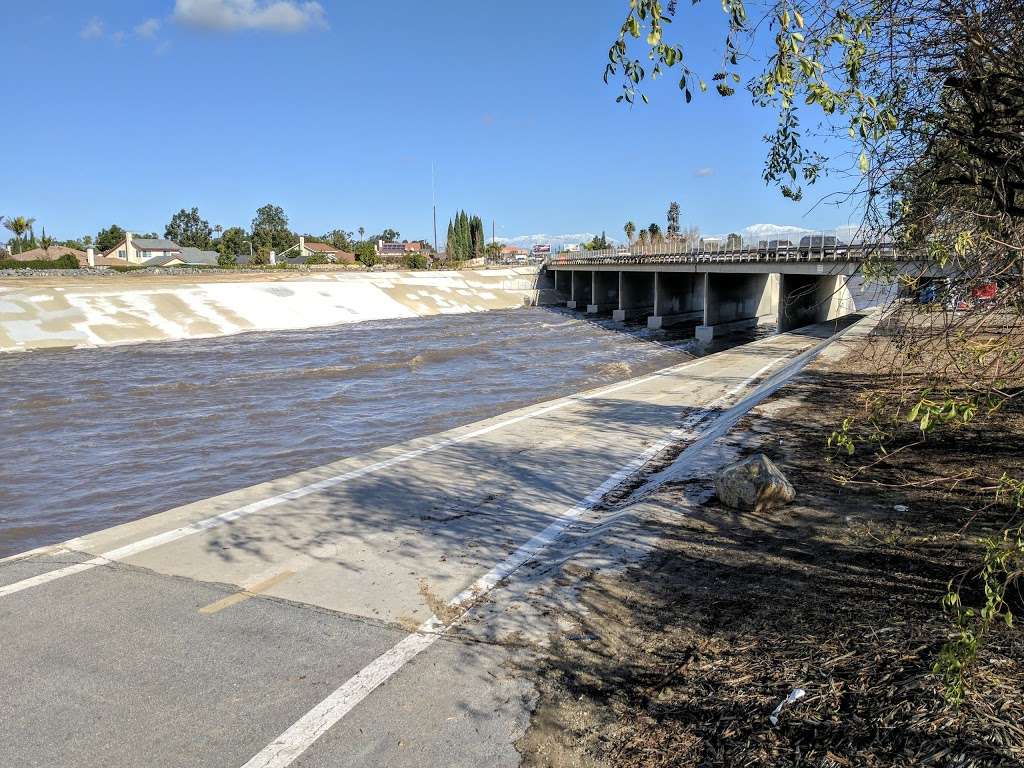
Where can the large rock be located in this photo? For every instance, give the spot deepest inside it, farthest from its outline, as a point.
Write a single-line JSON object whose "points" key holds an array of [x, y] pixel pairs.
{"points": [[754, 483]]}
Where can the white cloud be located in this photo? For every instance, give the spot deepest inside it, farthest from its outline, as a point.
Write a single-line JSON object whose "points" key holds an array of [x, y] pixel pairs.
{"points": [[776, 231], [148, 28], [93, 29], [704, 172], [266, 15]]}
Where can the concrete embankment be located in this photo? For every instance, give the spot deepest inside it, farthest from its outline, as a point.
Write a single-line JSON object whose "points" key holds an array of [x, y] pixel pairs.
{"points": [[38, 313]]}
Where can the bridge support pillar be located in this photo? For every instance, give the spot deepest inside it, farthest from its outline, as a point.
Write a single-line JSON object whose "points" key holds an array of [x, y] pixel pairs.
{"points": [[580, 289], [604, 291], [636, 295], [678, 297], [563, 281], [737, 300]]}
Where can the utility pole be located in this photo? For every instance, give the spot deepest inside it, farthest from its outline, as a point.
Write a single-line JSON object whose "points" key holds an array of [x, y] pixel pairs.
{"points": [[433, 197]]}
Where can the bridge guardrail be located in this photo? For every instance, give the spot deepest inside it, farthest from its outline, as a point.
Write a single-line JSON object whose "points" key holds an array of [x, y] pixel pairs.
{"points": [[669, 254]]}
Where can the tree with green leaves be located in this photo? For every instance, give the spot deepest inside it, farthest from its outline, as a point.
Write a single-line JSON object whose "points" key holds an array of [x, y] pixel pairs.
{"points": [[20, 226], [465, 237], [654, 233], [478, 240], [270, 230], [923, 101], [45, 241], [630, 230], [672, 230], [188, 229], [108, 238], [234, 242]]}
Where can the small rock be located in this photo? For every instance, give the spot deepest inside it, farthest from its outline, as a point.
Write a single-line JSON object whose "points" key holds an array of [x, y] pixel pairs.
{"points": [[754, 484]]}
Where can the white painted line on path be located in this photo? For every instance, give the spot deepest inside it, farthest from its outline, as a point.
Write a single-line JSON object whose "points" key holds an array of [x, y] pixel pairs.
{"points": [[152, 542], [290, 745]]}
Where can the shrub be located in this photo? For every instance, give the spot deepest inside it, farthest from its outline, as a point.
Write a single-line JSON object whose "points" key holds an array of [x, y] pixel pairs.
{"points": [[416, 261], [67, 261], [316, 258], [367, 255]]}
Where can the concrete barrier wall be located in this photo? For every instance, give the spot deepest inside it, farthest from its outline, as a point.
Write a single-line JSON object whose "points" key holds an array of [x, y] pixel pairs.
{"points": [[37, 313]]}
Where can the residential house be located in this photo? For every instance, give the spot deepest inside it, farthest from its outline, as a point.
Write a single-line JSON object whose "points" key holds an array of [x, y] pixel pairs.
{"points": [[157, 252], [329, 252], [390, 250]]}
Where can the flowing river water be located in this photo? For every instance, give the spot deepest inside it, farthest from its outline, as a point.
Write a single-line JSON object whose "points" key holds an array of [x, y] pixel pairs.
{"points": [[91, 438]]}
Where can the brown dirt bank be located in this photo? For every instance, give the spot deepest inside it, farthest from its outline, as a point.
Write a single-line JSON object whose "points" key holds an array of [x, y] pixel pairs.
{"points": [[681, 659]]}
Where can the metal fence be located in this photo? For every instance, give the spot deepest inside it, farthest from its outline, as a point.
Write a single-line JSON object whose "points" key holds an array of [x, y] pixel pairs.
{"points": [[822, 246]]}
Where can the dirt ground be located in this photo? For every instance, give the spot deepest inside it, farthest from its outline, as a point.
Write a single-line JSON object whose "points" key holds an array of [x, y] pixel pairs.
{"points": [[682, 658]]}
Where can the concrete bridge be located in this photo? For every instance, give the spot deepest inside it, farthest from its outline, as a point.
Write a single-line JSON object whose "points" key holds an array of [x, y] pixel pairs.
{"points": [[792, 286]]}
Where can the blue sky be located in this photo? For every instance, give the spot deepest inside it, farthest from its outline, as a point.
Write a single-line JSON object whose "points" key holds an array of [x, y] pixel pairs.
{"points": [[124, 111]]}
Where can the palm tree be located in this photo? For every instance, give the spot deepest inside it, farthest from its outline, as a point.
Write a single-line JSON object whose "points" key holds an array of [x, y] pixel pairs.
{"points": [[362, 231], [642, 240], [630, 230], [19, 225], [655, 233]]}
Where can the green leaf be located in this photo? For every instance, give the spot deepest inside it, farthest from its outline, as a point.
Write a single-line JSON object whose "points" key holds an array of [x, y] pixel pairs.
{"points": [[864, 166]]}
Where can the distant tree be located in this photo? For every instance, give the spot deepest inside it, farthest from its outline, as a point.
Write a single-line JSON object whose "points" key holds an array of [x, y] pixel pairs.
{"points": [[189, 229], [270, 230], [86, 240], [630, 230], [416, 261], [733, 242], [390, 235], [109, 237], [598, 243], [654, 232], [225, 259], [478, 240], [339, 238], [46, 242], [493, 250], [673, 220], [643, 238], [366, 253], [234, 242], [19, 226]]}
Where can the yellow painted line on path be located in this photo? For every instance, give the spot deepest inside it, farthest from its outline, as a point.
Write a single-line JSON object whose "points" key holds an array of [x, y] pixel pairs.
{"points": [[245, 594]]}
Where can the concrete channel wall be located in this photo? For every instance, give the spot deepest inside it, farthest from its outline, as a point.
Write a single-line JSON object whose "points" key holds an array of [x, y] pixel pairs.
{"points": [[44, 312]]}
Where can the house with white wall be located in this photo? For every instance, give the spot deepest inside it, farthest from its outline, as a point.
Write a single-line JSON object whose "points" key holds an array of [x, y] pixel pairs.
{"points": [[157, 252]]}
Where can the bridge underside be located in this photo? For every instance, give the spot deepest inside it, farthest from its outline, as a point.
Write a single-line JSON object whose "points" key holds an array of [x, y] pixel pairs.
{"points": [[715, 300]]}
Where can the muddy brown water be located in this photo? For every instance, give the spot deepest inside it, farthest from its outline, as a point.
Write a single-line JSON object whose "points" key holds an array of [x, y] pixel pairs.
{"points": [[92, 438]]}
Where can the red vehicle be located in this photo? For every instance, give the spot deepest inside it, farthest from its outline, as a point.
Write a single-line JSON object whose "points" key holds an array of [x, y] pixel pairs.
{"points": [[984, 293]]}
